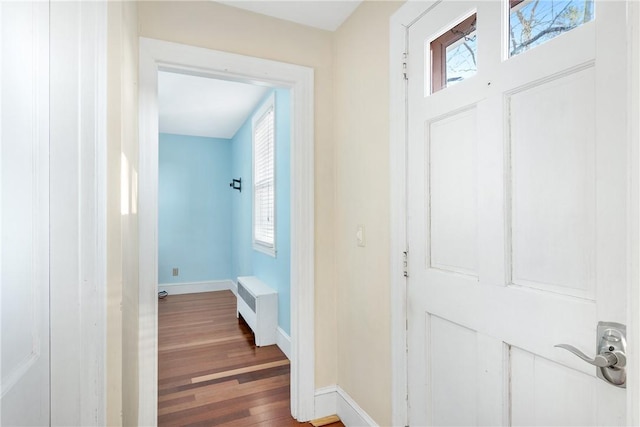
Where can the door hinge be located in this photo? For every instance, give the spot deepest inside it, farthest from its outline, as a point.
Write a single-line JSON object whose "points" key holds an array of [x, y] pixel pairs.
{"points": [[405, 263], [404, 66]]}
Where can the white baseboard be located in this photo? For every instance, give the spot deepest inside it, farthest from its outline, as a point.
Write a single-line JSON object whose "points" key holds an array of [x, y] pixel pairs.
{"points": [[325, 402], [284, 342], [351, 414], [195, 287], [333, 400]]}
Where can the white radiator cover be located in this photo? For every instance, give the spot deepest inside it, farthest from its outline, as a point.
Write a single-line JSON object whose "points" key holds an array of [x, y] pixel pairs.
{"points": [[258, 305]]}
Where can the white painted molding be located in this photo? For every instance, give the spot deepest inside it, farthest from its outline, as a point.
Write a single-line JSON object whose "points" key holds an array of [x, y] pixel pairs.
{"points": [[196, 287], [399, 25], [148, 235], [398, 215], [351, 414], [326, 401], [156, 55], [411, 11], [333, 400], [94, 391], [78, 180], [283, 340], [633, 291]]}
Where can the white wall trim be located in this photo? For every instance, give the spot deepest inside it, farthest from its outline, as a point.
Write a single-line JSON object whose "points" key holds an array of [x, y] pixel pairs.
{"points": [[196, 287], [399, 24], [78, 98], [326, 401], [350, 412], [333, 400], [148, 243], [398, 212], [95, 405], [283, 340], [2, 44], [155, 55], [633, 290]]}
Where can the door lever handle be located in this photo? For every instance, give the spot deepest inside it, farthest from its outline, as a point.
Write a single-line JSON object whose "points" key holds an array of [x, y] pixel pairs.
{"points": [[603, 360], [611, 353]]}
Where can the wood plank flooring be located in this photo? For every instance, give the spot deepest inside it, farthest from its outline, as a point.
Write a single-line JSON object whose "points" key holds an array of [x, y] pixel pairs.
{"points": [[210, 373]]}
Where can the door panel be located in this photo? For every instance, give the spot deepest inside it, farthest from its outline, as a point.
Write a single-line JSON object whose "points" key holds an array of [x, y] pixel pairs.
{"points": [[452, 203], [552, 141], [453, 391], [517, 201], [464, 370], [25, 214], [536, 400]]}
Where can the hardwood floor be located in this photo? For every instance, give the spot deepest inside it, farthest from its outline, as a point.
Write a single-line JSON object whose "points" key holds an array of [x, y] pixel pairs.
{"points": [[210, 373]]}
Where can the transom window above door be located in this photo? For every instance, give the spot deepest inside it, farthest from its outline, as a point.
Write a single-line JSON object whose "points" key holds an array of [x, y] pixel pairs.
{"points": [[534, 22], [453, 50], [453, 55]]}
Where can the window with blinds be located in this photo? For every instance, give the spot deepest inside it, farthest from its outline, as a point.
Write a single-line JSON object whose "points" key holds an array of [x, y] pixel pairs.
{"points": [[264, 198]]}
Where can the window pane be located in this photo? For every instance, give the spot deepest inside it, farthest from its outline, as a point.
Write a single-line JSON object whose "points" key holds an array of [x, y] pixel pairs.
{"points": [[264, 178], [533, 22], [453, 54], [461, 59], [264, 214]]}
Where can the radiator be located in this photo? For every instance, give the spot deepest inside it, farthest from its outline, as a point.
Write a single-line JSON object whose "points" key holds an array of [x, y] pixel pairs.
{"points": [[258, 306]]}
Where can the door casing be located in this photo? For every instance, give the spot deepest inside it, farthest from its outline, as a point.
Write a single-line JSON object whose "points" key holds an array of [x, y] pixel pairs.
{"points": [[399, 25], [160, 55]]}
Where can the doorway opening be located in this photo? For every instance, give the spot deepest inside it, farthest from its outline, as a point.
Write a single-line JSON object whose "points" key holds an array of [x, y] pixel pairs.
{"points": [[158, 56], [215, 136]]}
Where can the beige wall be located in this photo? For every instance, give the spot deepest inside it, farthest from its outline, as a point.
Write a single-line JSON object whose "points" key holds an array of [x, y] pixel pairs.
{"points": [[361, 161], [122, 241], [215, 26], [351, 182]]}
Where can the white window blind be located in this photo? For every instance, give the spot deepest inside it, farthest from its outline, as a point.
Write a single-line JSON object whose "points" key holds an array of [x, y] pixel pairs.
{"points": [[264, 180]]}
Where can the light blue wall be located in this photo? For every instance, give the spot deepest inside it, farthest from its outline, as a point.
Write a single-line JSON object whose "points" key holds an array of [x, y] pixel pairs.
{"points": [[246, 261], [204, 227], [194, 214]]}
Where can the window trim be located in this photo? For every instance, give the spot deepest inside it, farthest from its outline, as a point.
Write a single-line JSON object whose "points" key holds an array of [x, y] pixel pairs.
{"points": [[438, 50], [268, 104]]}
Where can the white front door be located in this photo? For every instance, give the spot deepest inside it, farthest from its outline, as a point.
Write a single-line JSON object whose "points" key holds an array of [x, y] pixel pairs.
{"points": [[24, 213], [517, 210]]}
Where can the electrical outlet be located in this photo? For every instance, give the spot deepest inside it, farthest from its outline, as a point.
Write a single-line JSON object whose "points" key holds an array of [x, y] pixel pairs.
{"points": [[175, 271]]}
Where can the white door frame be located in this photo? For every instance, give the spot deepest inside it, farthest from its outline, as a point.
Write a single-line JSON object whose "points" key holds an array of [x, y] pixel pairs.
{"points": [[78, 209], [400, 22], [155, 55]]}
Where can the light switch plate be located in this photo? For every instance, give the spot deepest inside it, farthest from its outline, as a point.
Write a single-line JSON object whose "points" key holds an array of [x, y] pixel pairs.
{"points": [[360, 235]]}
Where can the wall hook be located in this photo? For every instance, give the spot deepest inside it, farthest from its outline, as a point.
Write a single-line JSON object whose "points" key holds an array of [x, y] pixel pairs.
{"points": [[236, 184]]}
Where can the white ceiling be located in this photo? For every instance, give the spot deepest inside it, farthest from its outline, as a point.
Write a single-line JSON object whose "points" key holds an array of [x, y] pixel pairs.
{"points": [[200, 106], [323, 14]]}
